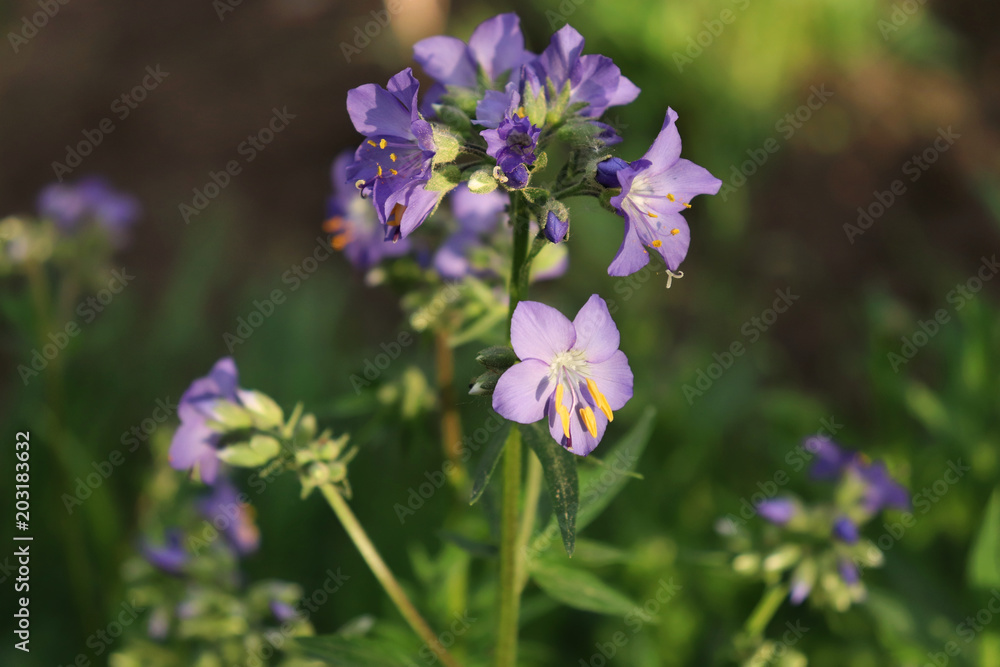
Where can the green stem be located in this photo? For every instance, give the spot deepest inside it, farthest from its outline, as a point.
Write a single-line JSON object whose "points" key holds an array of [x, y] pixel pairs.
{"points": [[519, 262], [510, 598], [765, 610], [384, 574], [532, 493], [451, 422]]}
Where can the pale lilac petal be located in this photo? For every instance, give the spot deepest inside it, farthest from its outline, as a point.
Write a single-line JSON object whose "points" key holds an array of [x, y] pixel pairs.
{"points": [[478, 213], [522, 391], [447, 60], [596, 332], [614, 379], [494, 144], [598, 81], [685, 180], [374, 110], [558, 58], [498, 45], [582, 443], [540, 332], [666, 148], [631, 256], [404, 87]]}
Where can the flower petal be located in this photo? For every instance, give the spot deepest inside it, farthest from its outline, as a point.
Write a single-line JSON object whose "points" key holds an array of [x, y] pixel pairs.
{"points": [[557, 60], [614, 378], [631, 255], [374, 110], [478, 213], [540, 332], [498, 45], [419, 204], [596, 332], [447, 60], [666, 148], [523, 391]]}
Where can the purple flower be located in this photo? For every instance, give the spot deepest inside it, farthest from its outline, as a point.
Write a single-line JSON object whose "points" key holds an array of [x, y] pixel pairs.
{"points": [[571, 373], [592, 79], [848, 571], [555, 228], [831, 460], [477, 215], [655, 189], [353, 223], [283, 611], [495, 47], [169, 557], [194, 444], [881, 491], [89, 199], [607, 172], [511, 139], [845, 530], [394, 162], [778, 511], [225, 509]]}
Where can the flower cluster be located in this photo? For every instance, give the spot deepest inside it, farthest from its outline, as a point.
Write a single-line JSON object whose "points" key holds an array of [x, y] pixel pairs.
{"points": [[480, 140], [415, 152], [821, 544]]}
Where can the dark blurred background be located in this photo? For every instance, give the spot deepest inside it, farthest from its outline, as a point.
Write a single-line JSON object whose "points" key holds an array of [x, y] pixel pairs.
{"points": [[895, 76]]}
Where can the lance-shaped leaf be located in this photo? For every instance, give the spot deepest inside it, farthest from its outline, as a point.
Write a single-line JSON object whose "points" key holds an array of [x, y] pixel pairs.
{"points": [[559, 468], [579, 589], [984, 559], [488, 462]]}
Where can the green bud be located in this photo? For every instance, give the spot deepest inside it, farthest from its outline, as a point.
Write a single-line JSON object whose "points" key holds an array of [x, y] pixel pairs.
{"points": [[231, 416], [498, 357], [446, 145], [606, 195], [485, 383], [541, 162], [481, 181], [265, 412], [747, 564], [535, 195], [782, 558], [535, 105], [444, 179], [259, 451]]}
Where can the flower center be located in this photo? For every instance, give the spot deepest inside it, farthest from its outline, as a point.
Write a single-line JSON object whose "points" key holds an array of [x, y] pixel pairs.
{"points": [[570, 372]]}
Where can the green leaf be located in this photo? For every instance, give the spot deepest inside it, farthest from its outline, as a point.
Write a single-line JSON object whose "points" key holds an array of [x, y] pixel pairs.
{"points": [[488, 462], [481, 181], [260, 450], [984, 559], [349, 651], [600, 486], [559, 467], [579, 589]]}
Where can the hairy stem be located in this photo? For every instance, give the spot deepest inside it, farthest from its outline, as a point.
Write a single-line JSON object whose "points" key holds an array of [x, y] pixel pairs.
{"points": [[384, 574]]}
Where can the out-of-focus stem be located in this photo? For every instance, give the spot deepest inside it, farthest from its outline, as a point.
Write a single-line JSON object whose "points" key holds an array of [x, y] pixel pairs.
{"points": [[532, 492], [510, 594], [451, 423], [384, 574]]}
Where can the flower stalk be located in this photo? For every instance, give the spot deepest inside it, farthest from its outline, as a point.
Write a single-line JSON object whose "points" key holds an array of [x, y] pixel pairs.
{"points": [[384, 574]]}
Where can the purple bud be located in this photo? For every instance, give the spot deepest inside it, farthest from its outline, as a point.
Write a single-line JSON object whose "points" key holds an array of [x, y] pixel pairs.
{"points": [[845, 530], [607, 172], [778, 511], [800, 591], [555, 229], [848, 571]]}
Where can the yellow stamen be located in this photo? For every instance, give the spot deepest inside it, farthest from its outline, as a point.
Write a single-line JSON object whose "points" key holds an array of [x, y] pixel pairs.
{"points": [[686, 205], [675, 232], [381, 144], [600, 399], [393, 172], [333, 224], [561, 409], [371, 143], [520, 112], [589, 420], [657, 243], [379, 170], [652, 215], [671, 197], [392, 156], [397, 215]]}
